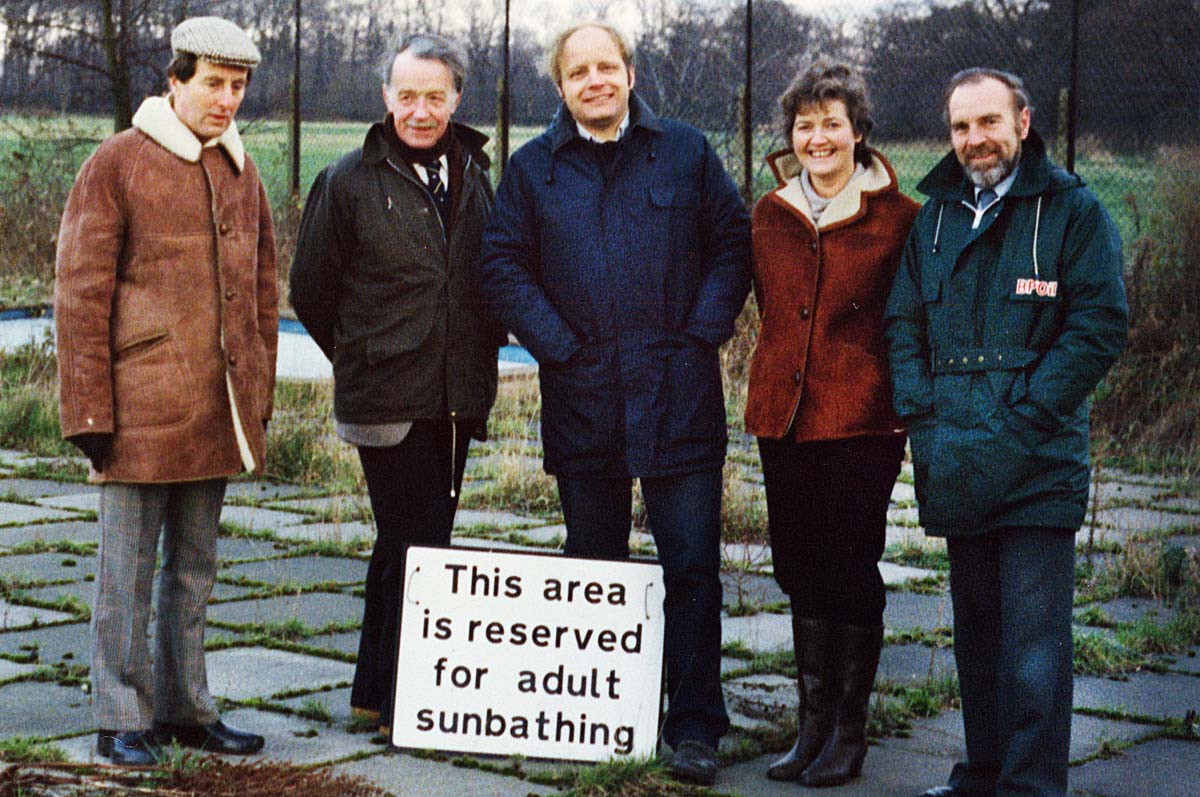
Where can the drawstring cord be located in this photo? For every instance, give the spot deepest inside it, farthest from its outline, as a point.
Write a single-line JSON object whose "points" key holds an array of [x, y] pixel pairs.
{"points": [[453, 456], [1037, 220], [938, 230]]}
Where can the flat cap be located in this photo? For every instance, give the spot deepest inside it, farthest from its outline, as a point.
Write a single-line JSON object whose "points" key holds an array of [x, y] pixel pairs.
{"points": [[215, 39]]}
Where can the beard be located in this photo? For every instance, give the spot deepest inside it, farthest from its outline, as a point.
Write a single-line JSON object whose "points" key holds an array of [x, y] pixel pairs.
{"points": [[991, 177]]}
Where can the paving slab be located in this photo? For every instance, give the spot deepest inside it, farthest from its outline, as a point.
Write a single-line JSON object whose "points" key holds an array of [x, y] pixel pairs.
{"points": [[904, 535], [902, 492], [11, 669], [71, 642], [335, 701], [345, 642], [889, 771], [896, 575], [754, 589], [347, 531], [1124, 476], [546, 534], [262, 489], [1148, 694], [82, 591], [1189, 506], [915, 664], [1113, 492], [1188, 661], [16, 514], [40, 488], [405, 776], [48, 566], [325, 504], [762, 633], [242, 673], [314, 609], [1160, 767], [13, 617], [1129, 610], [71, 531], [1132, 520], [259, 519], [748, 556], [301, 570], [765, 696], [466, 518], [488, 543], [291, 738], [231, 549], [43, 709], [73, 502], [908, 517], [909, 610]]}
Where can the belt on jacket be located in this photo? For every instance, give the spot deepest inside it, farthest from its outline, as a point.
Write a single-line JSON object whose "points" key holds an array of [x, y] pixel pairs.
{"points": [[993, 358]]}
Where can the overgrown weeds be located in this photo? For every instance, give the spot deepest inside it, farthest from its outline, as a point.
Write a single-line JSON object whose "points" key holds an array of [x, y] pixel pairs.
{"points": [[29, 409], [1148, 409]]}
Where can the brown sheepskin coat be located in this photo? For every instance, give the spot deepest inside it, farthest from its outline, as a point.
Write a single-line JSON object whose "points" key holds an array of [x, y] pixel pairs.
{"points": [[166, 304], [821, 289]]}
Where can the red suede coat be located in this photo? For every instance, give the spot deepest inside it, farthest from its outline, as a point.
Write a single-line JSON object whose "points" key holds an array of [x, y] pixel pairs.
{"points": [[821, 358]]}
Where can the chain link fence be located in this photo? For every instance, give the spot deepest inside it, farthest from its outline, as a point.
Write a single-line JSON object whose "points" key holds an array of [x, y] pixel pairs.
{"points": [[1136, 72]]}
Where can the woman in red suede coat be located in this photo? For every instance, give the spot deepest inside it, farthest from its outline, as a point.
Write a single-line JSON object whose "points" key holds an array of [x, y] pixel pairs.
{"points": [[827, 242]]}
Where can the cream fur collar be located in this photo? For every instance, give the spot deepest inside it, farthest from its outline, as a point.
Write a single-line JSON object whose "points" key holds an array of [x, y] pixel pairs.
{"points": [[846, 203], [156, 118]]}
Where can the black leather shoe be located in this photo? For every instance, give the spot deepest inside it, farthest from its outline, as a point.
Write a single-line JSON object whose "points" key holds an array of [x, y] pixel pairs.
{"points": [[216, 737], [128, 748], [943, 791], [694, 762]]}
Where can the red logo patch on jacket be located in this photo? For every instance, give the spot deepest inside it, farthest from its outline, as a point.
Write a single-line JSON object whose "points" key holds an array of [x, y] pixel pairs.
{"points": [[1028, 287]]}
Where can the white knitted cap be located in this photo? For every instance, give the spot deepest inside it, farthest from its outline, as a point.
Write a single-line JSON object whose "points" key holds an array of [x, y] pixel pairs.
{"points": [[215, 39]]}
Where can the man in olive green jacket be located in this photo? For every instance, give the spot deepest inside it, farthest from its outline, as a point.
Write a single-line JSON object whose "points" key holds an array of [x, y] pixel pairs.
{"points": [[1006, 312]]}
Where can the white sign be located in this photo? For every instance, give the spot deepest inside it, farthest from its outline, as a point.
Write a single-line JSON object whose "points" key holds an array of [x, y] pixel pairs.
{"points": [[521, 654]]}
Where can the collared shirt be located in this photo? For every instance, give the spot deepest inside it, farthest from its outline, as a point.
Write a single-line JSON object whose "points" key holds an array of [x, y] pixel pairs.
{"points": [[999, 189], [588, 136]]}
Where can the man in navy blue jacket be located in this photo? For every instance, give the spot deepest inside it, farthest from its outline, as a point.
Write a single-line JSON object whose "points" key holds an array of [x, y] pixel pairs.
{"points": [[618, 252]]}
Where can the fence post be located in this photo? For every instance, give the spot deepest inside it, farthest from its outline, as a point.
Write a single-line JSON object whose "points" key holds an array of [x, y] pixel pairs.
{"points": [[295, 132], [747, 109], [1073, 90], [504, 95]]}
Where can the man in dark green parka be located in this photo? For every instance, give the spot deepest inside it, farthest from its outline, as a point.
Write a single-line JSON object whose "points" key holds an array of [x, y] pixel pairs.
{"points": [[1007, 310]]}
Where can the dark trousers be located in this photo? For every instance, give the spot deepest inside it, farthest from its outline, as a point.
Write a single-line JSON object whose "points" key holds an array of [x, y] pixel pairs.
{"points": [[684, 513], [1012, 591], [409, 487], [827, 517]]}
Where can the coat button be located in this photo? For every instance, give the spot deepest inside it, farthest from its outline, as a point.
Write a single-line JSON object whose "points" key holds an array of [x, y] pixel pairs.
{"points": [[812, 246], [804, 312], [223, 229], [796, 377], [233, 359], [230, 293]]}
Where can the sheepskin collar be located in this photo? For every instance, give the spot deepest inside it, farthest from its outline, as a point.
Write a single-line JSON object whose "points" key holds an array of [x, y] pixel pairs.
{"points": [[849, 201], [156, 118]]}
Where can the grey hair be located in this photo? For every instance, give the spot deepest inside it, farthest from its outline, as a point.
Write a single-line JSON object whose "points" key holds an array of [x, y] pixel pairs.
{"points": [[432, 47], [978, 74]]}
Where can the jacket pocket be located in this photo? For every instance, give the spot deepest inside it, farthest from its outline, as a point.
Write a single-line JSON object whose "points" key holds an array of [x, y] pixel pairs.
{"points": [[404, 335], [151, 386]]}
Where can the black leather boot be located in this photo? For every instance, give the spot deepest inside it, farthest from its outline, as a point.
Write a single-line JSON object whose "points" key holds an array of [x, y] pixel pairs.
{"points": [[842, 757], [816, 658]]}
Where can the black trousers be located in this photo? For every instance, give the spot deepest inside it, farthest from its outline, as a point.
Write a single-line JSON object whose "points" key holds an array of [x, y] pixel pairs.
{"points": [[409, 486], [827, 517]]}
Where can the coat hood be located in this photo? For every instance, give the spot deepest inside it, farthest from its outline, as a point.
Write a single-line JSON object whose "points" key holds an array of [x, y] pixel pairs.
{"points": [[375, 147], [848, 204], [1038, 175], [156, 118]]}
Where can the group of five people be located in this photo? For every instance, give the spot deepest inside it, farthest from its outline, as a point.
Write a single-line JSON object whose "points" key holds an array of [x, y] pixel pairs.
{"points": [[618, 251]]}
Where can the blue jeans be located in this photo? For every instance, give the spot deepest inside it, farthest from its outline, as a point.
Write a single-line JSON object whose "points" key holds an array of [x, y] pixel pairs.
{"points": [[684, 513]]}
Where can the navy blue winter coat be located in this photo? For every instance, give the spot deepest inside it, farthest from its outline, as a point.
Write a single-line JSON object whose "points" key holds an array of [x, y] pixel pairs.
{"points": [[622, 282]]}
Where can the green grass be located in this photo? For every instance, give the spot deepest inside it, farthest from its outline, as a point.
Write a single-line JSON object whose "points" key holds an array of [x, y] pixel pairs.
{"points": [[23, 749]]}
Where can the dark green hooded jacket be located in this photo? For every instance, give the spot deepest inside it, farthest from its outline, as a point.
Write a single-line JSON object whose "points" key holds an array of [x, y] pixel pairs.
{"points": [[996, 337]]}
